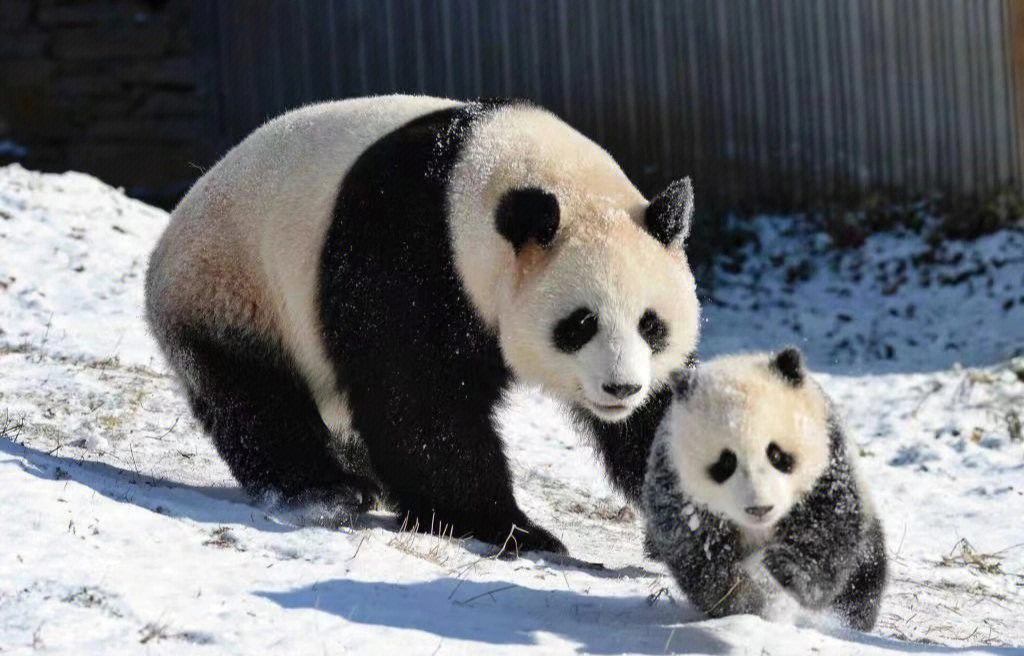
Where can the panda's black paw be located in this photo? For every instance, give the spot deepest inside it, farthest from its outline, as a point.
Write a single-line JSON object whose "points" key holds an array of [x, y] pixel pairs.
{"points": [[360, 493], [791, 571], [335, 506]]}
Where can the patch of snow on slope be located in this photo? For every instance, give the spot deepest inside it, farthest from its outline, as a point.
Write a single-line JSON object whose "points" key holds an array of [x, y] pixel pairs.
{"points": [[74, 254]]}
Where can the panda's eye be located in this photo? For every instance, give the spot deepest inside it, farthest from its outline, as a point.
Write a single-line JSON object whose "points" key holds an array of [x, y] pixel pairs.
{"points": [[572, 332], [779, 458], [654, 331], [724, 467]]}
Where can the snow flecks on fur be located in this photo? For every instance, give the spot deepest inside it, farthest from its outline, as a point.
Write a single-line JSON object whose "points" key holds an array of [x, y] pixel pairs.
{"points": [[123, 531]]}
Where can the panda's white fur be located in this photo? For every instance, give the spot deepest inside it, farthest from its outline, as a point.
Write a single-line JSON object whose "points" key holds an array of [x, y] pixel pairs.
{"points": [[739, 403], [605, 269], [598, 259], [245, 241], [242, 260]]}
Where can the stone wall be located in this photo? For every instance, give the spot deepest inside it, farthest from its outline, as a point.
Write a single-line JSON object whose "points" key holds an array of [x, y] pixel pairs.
{"points": [[105, 87]]}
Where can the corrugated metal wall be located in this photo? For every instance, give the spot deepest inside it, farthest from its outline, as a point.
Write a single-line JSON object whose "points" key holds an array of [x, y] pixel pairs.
{"points": [[777, 101]]}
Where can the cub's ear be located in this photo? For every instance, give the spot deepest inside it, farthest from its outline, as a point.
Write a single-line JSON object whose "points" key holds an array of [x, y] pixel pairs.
{"points": [[668, 216], [789, 363], [527, 214], [683, 381]]}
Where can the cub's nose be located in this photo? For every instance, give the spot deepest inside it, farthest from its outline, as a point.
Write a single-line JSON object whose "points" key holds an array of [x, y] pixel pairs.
{"points": [[758, 511], [621, 390]]}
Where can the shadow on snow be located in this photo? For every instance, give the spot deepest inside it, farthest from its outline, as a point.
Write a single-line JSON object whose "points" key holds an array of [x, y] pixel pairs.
{"points": [[498, 612], [507, 613], [207, 504]]}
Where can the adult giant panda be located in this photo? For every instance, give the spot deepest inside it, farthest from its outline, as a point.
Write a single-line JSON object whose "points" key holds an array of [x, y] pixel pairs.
{"points": [[751, 490], [383, 267]]}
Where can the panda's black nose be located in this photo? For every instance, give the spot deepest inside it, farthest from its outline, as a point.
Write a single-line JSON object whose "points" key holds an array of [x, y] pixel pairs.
{"points": [[758, 511], [621, 390]]}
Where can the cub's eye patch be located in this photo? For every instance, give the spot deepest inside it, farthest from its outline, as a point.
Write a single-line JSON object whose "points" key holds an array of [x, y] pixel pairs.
{"points": [[572, 332], [653, 331], [780, 459], [723, 467]]}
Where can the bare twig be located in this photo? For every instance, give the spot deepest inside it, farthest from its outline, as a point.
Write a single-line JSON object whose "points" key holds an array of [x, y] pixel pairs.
{"points": [[489, 592], [724, 597]]}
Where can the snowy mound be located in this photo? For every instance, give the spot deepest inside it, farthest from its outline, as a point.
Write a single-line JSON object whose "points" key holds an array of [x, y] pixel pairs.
{"points": [[124, 533], [898, 303]]}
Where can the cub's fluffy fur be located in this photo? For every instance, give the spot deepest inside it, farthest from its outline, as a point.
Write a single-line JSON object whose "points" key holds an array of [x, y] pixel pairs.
{"points": [[750, 468]]}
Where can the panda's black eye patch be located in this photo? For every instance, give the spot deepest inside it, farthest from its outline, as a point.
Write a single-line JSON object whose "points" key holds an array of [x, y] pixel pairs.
{"points": [[723, 467], [572, 332], [780, 459], [653, 331]]}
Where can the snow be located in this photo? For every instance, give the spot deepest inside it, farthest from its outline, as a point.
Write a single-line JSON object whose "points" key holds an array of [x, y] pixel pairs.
{"points": [[124, 533]]}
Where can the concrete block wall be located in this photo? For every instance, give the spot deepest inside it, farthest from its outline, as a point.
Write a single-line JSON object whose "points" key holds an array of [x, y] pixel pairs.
{"points": [[108, 87]]}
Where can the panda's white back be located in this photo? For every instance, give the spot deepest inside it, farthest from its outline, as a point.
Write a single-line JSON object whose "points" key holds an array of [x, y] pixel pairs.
{"points": [[244, 243]]}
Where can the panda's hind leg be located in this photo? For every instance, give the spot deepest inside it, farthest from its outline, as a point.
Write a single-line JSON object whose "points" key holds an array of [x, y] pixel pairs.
{"points": [[251, 399]]}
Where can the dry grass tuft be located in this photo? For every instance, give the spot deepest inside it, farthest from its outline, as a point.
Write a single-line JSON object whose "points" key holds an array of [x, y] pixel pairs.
{"points": [[222, 538], [10, 427], [964, 555], [435, 545], [152, 631]]}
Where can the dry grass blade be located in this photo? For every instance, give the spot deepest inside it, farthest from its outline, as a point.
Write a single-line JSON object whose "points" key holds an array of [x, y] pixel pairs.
{"points": [[10, 427]]}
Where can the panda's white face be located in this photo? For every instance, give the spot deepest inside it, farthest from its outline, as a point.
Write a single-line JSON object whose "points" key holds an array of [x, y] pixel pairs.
{"points": [[601, 318], [554, 247], [746, 443]]}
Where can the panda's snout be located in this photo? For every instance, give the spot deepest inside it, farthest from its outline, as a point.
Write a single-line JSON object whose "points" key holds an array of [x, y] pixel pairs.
{"points": [[621, 390], [758, 511]]}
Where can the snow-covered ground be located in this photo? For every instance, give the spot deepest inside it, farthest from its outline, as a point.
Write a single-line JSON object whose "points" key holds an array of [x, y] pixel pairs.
{"points": [[123, 533]]}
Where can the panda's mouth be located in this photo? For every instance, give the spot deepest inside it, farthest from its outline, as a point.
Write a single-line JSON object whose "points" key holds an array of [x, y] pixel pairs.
{"points": [[611, 407], [610, 411]]}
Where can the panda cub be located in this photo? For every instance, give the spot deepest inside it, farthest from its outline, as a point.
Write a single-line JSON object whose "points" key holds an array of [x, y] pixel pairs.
{"points": [[749, 467]]}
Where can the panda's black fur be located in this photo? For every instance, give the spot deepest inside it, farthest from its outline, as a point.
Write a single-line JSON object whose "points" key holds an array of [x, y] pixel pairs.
{"points": [[444, 429], [625, 446], [421, 372], [247, 393], [827, 551]]}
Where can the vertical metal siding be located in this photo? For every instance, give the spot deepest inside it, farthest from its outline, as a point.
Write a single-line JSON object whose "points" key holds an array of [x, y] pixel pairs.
{"points": [[785, 101]]}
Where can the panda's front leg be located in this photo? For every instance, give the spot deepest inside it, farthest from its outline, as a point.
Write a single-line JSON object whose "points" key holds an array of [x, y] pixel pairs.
{"points": [[704, 552], [442, 463], [707, 563], [814, 549]]}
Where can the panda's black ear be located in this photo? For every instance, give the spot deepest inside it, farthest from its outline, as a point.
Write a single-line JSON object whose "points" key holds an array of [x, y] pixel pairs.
{"points": [[668, 216], [527, 214], [683, 381], [789, 363]]}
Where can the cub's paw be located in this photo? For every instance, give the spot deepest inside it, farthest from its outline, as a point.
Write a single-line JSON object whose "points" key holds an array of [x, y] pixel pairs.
{"points": [[791, 571]]}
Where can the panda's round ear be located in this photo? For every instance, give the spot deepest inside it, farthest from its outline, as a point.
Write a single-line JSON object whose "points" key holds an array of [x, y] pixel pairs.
{"points": [[789, 363], [668, 216], [529, 214], [683, 381]]}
